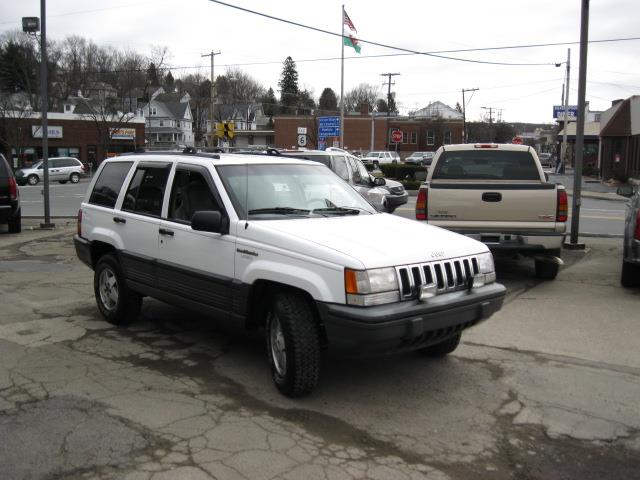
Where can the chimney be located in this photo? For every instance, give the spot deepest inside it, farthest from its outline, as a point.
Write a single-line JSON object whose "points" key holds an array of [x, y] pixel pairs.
{"points": [[364, 108]]}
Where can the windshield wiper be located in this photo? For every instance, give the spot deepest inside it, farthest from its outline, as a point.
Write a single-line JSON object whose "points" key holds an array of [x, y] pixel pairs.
{"points": [[279, 211], [339, 210]]}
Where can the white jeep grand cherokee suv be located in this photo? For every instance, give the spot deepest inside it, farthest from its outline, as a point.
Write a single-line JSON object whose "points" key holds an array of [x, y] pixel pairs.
{"points": [[283, 244]]}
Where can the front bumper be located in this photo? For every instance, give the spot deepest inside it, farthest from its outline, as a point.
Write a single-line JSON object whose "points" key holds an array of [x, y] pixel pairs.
{"points": [[407, 325]]}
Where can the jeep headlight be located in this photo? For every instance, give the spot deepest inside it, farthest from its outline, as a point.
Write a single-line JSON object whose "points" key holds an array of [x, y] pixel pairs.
{"points": [[371, 287], [486, 270]]}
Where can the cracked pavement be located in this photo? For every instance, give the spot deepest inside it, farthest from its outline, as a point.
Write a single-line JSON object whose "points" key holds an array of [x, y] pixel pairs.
{"points": [[546, 389]]}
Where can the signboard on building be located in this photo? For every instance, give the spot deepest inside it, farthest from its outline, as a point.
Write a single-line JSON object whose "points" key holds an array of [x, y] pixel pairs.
{"points": [[123, 133], [328, 127], [52, 132], [572, 112]]}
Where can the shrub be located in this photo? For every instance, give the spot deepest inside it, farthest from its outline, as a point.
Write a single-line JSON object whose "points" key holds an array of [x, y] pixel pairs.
{"points": [[401, 171]]}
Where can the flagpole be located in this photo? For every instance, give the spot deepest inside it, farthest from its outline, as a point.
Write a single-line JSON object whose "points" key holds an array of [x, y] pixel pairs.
{"points": [[342, 83]]}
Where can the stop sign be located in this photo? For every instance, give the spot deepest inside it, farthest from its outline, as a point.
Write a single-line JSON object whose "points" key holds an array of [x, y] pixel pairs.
{"points": [[396, 136], [517, 140]]}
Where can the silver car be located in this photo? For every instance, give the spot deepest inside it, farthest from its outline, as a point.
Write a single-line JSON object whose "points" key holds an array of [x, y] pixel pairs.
{"points": [[630, 276], [61, 169], [420, 158]]}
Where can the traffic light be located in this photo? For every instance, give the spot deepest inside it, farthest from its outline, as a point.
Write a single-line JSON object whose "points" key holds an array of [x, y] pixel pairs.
{"points": [[220, 130], [229, 129]]}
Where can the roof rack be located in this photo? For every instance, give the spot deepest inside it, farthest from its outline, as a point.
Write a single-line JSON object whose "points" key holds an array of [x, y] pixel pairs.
{"points": [[186, 151]]}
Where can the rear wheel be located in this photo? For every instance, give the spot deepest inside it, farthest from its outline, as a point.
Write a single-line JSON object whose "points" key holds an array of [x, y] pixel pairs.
{"points": [[548, 270], [630, 276], [443, 348], [33, 179], [15, 224], [117, 304], [62, 182], [293, 344], [74, 177]]}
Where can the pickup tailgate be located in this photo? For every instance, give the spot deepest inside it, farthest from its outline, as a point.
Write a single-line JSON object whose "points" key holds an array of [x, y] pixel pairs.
{"points": [[491, 202]]}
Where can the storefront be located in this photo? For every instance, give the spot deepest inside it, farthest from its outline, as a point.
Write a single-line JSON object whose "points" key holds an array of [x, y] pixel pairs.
{"points": [[70, 135]]}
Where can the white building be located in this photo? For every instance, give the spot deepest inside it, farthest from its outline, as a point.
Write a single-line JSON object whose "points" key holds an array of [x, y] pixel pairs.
{"points": [[437, 109], [169, 120]]}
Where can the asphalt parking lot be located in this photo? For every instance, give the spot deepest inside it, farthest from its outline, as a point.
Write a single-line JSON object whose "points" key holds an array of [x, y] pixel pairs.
{"points": [[546, 389]]}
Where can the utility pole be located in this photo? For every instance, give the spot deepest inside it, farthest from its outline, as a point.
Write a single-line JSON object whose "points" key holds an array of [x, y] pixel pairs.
{"points": [[563, 150], [491, 109], [45, 107], [389, 83], [213, 93], [582, 87], [464, 112]]}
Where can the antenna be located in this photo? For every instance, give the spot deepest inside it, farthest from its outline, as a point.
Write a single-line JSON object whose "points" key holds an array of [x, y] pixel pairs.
{"points": [[246, 196]]}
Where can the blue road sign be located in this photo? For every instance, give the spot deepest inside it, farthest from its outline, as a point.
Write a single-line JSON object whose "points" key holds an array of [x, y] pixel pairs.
{"points": [[328, 127], [572, 112]]}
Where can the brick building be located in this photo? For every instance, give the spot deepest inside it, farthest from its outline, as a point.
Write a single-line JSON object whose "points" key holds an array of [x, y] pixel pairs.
{"points": [[418, 134], [70, 134]]}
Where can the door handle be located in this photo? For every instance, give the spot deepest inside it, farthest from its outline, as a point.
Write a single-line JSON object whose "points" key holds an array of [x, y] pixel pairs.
{"points": [[119, 220], [164, 231], [491, 197]]}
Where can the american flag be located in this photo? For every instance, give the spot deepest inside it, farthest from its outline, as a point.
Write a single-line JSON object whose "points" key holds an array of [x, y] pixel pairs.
{"points": [[349, 23]]}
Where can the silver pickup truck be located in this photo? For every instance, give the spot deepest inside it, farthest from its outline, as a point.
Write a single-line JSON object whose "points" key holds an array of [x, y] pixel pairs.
{"points": [[498, 194]]}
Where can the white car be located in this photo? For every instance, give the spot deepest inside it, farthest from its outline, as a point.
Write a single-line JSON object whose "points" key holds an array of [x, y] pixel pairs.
{"points": [[283, 244], [61, 169], [377, 158], [420, 158]]}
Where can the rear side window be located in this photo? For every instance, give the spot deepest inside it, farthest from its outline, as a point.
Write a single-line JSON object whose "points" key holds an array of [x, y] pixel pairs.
{"points": [[146, 190], [486, 165], [105, 191]]}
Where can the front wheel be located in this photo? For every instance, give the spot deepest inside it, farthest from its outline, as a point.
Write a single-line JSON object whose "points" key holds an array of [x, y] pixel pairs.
{"points": [[74, 178], [33, 179], [15, 224], [293, 344], [117, 304], [443, 348]]}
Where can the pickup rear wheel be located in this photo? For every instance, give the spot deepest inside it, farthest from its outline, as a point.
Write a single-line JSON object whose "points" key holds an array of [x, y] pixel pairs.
{"points": [[443, 348], [630, 276], [293, 344], [117, 304]]}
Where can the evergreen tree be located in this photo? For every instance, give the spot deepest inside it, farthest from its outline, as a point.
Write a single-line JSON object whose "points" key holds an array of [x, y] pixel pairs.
{"points": [[152, 75], [288, 84], [381, 105], [269, 103], [306, 102], [328, 100], [169, 83]]}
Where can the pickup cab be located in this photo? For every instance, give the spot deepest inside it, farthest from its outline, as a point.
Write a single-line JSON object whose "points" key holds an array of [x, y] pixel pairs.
{"points": [[497, 194]]}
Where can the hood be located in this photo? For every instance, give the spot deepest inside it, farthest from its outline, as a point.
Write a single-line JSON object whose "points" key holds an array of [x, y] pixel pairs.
{"points": [[380, 240]]}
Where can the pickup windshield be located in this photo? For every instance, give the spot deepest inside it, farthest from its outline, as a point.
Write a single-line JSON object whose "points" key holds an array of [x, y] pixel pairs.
{"points": [[486, 165]]}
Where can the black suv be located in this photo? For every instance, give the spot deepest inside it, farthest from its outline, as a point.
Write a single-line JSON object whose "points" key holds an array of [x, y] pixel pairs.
{"points": [[9, 198]]}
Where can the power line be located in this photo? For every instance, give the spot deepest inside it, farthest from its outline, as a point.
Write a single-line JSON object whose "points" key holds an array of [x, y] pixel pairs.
{"points": [[370, 42]]}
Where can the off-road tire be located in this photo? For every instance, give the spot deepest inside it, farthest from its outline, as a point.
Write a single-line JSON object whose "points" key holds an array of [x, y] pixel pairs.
{"points": [[74, 178], [33, 179], [15, 224], [630, 276], [302, 344], [443, 348], [127, 307], [546, 270]]}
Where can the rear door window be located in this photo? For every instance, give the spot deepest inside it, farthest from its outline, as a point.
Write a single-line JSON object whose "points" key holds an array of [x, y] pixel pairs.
{"points": [[146, 190], [107, 187], [340, 167], [486, 165]]}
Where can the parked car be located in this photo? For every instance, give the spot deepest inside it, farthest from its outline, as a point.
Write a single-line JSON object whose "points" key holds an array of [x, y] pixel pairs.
{"points": [[10, 212], [376, 158], [630, 276], [384, 194], [281, 244], [546, 159], [61, 169], [420, 158], [498, 194]]}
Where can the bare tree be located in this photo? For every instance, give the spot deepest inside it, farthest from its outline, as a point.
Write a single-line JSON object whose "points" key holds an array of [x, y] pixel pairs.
{"points": [[363, 93], [15, 109], [236, 86]]}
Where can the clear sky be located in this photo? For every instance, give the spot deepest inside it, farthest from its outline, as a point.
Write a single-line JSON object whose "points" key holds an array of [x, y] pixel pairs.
{"points": [[521, 93]]}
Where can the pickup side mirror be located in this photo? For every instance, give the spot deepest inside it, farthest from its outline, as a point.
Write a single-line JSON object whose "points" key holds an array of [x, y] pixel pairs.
{"points": [[625, 190], [207, 221], [379, 181]]}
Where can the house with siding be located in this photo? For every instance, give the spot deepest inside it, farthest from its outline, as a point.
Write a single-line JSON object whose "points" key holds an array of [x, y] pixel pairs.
{"points": [[620, 139], [169, 120]]}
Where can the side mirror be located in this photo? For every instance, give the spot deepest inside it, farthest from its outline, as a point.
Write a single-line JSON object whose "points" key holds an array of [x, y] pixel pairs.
{"points": [[379, 181], [625, 190], [207, 221], [546, 176]]}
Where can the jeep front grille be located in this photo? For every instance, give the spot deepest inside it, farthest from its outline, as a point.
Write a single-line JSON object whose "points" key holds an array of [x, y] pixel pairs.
{"points": [[447, 275]]}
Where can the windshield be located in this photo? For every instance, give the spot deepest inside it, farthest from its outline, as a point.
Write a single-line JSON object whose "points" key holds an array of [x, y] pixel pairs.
{"points": [[293, 190], [38, 164], [486, 165]]}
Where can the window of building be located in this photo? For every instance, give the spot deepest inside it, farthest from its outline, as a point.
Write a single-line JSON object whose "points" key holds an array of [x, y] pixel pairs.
{"points": [[447, 137], [67, 108], [414, 137], [162, 123], [153, 111], [405, 137], [431, 137]]}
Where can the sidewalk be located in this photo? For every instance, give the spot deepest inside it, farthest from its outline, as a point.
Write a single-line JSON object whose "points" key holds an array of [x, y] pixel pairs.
{"points": [[590, 187]]}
